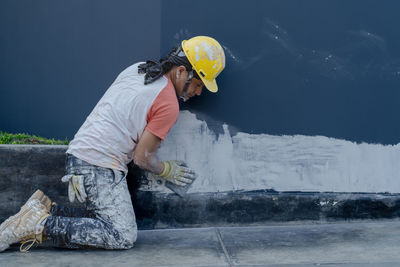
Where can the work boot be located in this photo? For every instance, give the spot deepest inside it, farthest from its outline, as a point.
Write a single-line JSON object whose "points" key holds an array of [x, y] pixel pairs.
{"points": [[27, 225]]}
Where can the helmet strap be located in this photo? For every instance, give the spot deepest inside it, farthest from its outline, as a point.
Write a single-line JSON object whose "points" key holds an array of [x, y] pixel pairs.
{"points": [[188, 80]]}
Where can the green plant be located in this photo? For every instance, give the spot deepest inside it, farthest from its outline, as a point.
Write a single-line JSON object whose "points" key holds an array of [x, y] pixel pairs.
{"points": [[22, 138]]}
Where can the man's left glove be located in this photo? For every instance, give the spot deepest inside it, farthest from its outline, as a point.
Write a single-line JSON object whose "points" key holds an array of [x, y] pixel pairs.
{"points": [[75, 187]]}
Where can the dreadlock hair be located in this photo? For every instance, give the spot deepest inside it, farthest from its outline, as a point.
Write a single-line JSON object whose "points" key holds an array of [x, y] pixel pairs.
{"points": [[154, 70]]}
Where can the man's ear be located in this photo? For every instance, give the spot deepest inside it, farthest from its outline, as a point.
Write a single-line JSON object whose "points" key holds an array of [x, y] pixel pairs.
{"points": [[179, 71]]}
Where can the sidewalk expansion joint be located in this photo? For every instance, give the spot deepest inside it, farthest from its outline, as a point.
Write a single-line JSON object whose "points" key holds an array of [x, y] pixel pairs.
{"points": [[228, 259]]}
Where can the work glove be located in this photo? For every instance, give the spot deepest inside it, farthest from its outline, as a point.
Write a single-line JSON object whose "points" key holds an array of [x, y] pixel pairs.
{"points": [[75, 187], [177, 173]]}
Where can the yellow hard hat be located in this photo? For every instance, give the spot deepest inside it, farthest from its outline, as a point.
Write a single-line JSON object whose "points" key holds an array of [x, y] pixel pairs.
{"points": [[207, 58]]}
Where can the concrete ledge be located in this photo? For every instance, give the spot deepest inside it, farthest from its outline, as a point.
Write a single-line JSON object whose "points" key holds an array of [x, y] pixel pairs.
{"points": [[157, 210], [25, 168]]}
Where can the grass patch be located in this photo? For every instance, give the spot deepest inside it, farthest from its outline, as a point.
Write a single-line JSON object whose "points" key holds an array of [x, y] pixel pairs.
{"points": [[22, 139]]}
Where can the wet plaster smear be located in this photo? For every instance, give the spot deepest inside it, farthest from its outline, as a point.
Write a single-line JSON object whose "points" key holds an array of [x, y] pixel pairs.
{"points": [[283, 163]]}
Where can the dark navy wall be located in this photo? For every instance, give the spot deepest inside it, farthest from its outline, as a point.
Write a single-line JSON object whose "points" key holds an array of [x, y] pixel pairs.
{"points": [[313, 67], [57, 58]]}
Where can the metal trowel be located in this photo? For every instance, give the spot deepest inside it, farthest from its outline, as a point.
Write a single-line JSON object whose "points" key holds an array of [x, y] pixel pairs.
{"points": [[179, 190]]}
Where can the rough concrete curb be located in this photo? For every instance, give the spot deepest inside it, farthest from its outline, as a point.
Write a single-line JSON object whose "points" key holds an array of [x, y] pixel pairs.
{"points": [[25, 168], [157, 210]]}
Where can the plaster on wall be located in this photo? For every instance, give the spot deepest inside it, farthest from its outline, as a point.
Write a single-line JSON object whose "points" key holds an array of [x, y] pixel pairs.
{"points": [[283, 163]]}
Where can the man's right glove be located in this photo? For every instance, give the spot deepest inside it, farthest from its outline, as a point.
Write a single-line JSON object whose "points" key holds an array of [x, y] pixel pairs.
{"points": [[177, 173]]}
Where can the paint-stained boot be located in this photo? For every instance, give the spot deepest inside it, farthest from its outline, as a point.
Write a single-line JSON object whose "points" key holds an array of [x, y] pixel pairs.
{"points": [[27, 225]]}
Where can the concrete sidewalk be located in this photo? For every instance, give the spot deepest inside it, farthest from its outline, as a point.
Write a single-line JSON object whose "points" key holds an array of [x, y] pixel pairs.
{"points": [[334, 244]]}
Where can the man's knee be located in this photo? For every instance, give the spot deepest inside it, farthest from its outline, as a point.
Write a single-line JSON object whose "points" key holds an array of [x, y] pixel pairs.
{"points": [[124, 236], [130, 239]]}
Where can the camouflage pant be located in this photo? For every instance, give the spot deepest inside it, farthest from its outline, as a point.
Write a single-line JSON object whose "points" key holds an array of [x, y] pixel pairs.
{"points": [[108, 221]]}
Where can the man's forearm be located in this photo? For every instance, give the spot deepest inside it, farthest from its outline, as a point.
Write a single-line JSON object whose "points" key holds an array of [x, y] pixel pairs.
{"points": [[149, 163]]}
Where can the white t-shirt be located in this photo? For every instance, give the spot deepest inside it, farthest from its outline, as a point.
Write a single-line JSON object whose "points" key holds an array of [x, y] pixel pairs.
{"points": [[110, 133]]}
